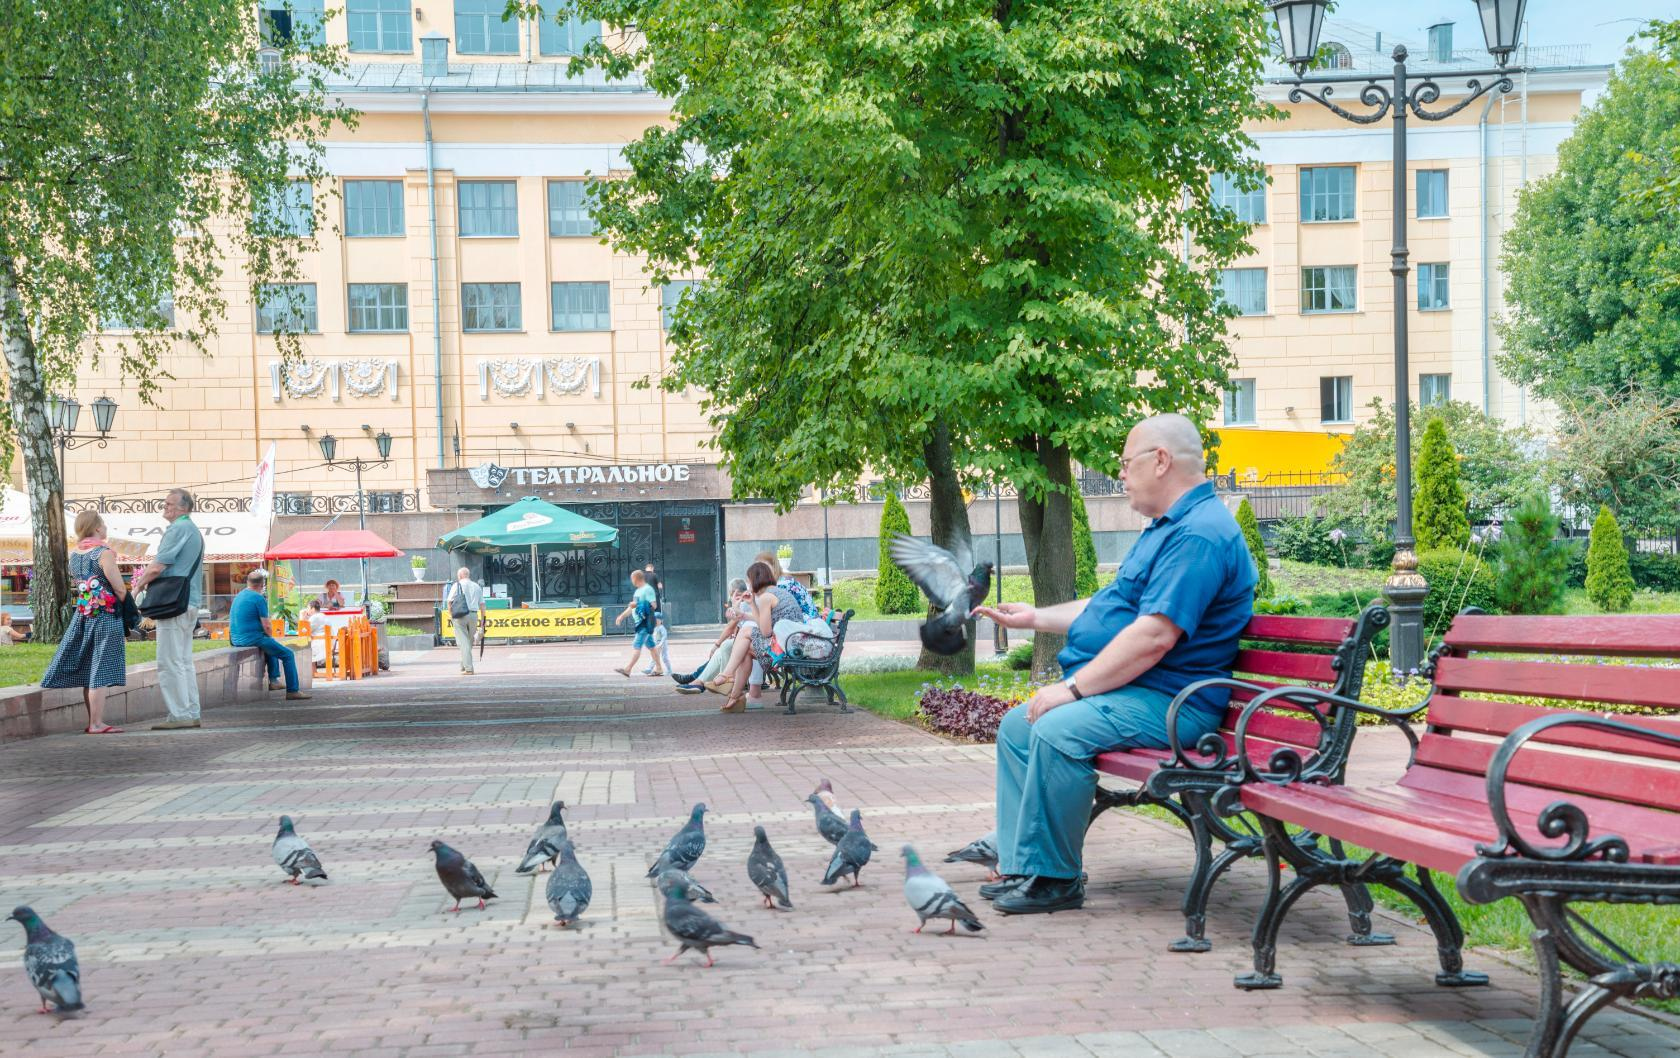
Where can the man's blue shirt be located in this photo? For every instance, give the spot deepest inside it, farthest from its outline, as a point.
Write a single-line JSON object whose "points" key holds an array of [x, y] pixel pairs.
{"points": [[1191, 566], [248, 618]]}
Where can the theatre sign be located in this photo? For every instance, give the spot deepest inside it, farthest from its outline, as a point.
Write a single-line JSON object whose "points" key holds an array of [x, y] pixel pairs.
{"points": [[613, 475], [491, 484]]}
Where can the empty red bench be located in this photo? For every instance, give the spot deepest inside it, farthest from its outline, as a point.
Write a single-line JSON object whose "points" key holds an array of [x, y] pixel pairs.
{"points": [[1277, 651], [1552, 804]]}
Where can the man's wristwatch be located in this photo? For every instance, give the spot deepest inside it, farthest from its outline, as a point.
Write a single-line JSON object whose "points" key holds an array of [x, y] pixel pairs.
{"points": [[1071, 683]]}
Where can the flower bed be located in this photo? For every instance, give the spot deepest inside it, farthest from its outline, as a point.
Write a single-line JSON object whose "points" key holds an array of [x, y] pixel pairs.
{"points": [[970, 713]]}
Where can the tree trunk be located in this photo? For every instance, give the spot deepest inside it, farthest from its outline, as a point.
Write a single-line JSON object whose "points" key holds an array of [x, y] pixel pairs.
{"points": [[1047, 531], [949, 517], [49, 588]]}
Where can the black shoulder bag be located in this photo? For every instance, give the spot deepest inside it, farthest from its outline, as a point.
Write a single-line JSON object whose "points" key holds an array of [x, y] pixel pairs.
{"points": [[167, 597]]}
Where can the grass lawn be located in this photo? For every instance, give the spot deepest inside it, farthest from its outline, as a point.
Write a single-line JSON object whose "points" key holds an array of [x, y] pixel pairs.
{"points": [[23, 663], [893, 694]]}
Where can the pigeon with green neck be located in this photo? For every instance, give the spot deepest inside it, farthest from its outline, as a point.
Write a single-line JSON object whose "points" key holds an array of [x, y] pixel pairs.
{"points": [[50, 962], [545, 844], [931, 896], [293, 855], [683, 850], [694, 929], [851, 854]]}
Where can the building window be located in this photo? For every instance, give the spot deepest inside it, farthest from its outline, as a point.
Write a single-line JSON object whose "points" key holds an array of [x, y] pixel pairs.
{"points": [[670, 296], [1327, 193], [490, 307], [288, 307], [488, 208], [1245, 289], [1249, 206], [1330, 289], [581, 307], [565, 38], [1239, 402], [291, 212], [1433, 292], [373, 208], [380, 25], [378, 307], [1431, 193], [568, 208], [163, 320], [1335, 396], [299, 22], [480, 28], [293, 502], [1334, 55], [1434, 389]]}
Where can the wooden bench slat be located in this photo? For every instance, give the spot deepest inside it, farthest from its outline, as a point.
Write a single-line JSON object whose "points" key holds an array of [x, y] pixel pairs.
{"points": [[1329, 631], [1629, 635], [1281, 665], [1329, 810], [1645, 685], [1619, 778], [1498, 719]]}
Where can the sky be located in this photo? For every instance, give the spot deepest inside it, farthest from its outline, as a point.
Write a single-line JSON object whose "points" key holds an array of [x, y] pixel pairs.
{"points": [[1603, 25]]}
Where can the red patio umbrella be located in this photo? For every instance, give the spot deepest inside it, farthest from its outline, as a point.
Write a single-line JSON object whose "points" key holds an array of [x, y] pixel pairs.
{"points": [[333, 543]]}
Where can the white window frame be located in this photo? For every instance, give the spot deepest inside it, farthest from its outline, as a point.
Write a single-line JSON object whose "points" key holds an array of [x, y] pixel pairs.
{"points": [[1342, 394], [580, 307], [1446, 194], [391, 22], [1328, 290], [1312, 194], [1234, 282], [1434, 278], [394, 209], [476, 291], [1241, 390], [483, 209], [1249, 206], [311, 309], [390, 315]]}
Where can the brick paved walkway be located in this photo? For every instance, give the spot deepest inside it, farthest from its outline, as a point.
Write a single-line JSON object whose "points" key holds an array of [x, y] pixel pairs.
{"points": [[151, 852]]}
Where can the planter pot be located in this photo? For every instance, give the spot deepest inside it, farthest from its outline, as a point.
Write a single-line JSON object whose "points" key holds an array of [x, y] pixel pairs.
{"points": [[419, 573]]}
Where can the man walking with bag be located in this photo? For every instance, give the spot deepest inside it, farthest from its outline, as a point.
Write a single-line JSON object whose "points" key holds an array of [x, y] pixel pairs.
{"points": [[170, 592], [466, 598]]}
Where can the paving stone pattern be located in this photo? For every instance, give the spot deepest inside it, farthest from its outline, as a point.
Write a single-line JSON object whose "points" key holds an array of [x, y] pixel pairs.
{"points": [[151, 852]]}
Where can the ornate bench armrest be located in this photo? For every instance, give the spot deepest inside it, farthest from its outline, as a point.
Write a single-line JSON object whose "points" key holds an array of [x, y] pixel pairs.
{"points": [[1327, 759], [1560, 819], [1210, 753]]}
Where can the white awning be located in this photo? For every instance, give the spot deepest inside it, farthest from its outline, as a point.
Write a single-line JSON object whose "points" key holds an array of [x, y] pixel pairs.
{"points": [[227, 537]]}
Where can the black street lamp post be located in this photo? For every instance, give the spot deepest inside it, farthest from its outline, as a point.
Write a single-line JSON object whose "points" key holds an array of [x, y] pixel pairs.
{"points": [[63, 414], [329, 452], [1299, 23]]}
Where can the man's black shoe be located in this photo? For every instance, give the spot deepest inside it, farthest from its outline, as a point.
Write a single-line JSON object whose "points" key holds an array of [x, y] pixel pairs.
{"points": [[1040, 896], [1007, 884]]}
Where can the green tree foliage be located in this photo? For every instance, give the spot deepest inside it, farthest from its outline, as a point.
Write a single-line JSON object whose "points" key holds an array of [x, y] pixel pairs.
{"points": [[1439, 519], [1084, 550], [134, 141], [1494, 468], [1592, 255], [1622, 451], [1533, 565], [894, 591], [927, 213], [1609, 581], [1256, 548], [1457, 579]]}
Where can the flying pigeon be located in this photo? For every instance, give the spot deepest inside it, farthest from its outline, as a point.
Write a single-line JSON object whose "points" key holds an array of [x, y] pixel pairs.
{"points": [[851, 854], [953, 592], [829, 825], [460, 877], [765, 869], [696, 930], [825, 791], [982, 851], [684, 849], [50, 962], [569, 888], [670, 878], [545, 844], [294, 856], [930, 896]]}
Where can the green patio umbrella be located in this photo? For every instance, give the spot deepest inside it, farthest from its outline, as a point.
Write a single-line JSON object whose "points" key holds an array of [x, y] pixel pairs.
{"points": [[529, 523]]}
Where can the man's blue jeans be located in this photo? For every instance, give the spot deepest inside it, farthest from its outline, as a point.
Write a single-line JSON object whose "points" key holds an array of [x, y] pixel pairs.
{"points": [[1045, 779], [279, 658]]}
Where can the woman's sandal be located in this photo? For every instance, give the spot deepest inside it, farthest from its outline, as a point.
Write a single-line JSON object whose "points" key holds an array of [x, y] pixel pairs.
{"points": [[735, 704], [623, 672], [105, 729]]}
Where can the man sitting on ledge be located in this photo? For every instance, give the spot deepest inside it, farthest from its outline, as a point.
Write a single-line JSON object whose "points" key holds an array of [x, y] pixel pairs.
{"points": [[1172, 616]]}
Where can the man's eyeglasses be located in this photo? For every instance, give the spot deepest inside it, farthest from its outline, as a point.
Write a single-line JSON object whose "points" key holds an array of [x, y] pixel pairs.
{"points": [[1127, 461]]}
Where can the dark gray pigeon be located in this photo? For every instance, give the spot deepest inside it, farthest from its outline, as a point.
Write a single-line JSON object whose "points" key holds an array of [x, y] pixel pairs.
{"points": [[765, 869], [545, 844], [670, 878], [930, 896], [50, 962], [294, 856], [982, 851], [569, 888], [460, 877], [851, 854], [952, 590], [829, 825], [696, 930], [684, 849]]}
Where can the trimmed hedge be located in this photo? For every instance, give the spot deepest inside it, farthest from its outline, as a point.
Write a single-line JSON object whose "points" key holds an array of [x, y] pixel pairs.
{"points": [[1457, 579]]}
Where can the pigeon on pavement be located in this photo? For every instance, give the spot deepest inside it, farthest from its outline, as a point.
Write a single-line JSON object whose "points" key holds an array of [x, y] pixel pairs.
{"points": [[945, 580], [50, 962], [829, 825], [684, 849], [294, 856], [765, 869], [569, 888], [696, 930], [460, 877], [930, 896], [825, 790], [982, 851], [670, 878], [851, 854], [545, 844]]}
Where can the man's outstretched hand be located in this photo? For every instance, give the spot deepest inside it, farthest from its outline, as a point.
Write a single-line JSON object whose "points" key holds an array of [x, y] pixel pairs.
{"points": [[1011, 614]]}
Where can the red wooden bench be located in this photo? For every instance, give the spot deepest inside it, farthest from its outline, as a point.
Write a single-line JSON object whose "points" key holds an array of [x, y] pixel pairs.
{"points": [[1327, 651], [1551, 804]]}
